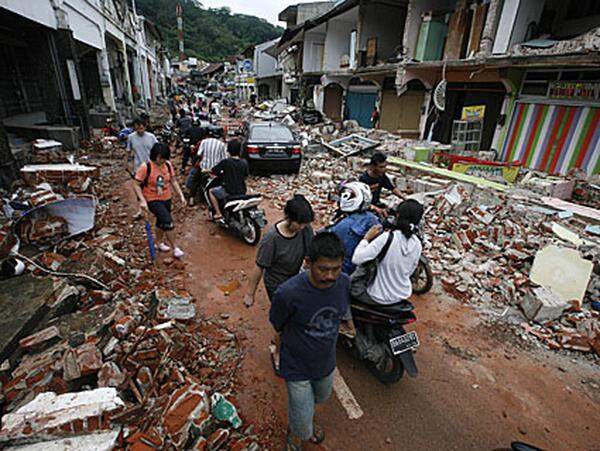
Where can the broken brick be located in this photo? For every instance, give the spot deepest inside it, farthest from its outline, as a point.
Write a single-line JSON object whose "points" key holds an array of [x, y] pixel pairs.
{"points": [[41, 339]]}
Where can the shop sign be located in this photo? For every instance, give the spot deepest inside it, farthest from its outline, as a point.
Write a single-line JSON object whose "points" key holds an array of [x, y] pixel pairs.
{"points": [[574, 90], [508, 173], [473, 113]]}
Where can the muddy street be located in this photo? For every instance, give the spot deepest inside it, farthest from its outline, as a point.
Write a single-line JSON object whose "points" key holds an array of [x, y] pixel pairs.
{"points": [[477, 389]]}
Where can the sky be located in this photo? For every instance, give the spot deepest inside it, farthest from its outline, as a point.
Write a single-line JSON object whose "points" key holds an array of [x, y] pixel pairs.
{"points": [[267, 9]]}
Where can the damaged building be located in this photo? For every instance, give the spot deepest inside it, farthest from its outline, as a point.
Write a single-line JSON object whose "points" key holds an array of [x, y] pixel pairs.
{"points": [[69, 65], [517, 78]]}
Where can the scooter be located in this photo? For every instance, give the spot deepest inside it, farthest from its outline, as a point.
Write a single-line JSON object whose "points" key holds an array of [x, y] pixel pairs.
{"points": [[240, 213], [381, 341]]}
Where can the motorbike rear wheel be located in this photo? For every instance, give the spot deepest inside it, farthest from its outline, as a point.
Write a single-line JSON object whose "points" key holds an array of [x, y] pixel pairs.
{"points": [[250, 231], [422, 278], [387, 371]]}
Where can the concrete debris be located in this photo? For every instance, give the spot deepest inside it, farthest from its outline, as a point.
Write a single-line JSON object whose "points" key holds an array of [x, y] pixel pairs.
{"points": [[543, 305], [126, 365], [563, 271], [101, 441], [351, 145], [52, 416]]}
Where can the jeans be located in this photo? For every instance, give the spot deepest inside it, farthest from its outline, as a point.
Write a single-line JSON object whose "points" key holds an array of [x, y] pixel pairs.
{"points": [[302, 397]]}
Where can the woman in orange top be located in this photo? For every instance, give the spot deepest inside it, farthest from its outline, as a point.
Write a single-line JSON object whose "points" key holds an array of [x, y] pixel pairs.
{"points": [[156, 182]]}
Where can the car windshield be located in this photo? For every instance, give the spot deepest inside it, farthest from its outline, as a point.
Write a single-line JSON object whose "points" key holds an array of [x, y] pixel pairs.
{"points": [[273, 133]]}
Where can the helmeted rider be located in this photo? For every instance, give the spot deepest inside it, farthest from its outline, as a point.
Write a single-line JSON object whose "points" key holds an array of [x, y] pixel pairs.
{"points": [[354, 203]]}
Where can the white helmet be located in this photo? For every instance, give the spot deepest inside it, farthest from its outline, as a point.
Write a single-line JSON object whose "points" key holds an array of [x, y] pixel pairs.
{"points": [[356, 196]]}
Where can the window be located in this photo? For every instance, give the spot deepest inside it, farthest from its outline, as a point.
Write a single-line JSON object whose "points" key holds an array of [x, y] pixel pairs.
{"points": [[271, 134], [537, 83]]}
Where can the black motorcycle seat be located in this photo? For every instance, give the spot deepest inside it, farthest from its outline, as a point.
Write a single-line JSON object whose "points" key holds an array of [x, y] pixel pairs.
{"points": [[398, 307], [242, 197]]}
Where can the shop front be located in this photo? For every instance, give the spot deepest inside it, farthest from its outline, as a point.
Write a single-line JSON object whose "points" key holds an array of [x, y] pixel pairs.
{"points": [[401, 114], [361, 99], [554, 123]]}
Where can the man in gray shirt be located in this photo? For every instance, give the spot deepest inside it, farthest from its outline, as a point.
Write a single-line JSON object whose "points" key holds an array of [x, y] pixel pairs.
{"points": [[140, 143]]}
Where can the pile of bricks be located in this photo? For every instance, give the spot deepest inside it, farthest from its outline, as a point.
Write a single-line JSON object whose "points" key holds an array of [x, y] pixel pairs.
{"points": [[135, 350], [483, 247], [481, 244]]}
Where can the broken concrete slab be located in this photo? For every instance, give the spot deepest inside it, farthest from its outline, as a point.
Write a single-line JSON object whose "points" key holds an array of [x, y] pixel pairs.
{"points": [[104, 441], [23, 302], [351, 145], [57, 173], [56, 416], [562, 271], [174, 306], [543, 305]]}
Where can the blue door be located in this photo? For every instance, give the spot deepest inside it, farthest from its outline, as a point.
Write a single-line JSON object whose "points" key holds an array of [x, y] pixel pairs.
{"points": [[359, 106]]}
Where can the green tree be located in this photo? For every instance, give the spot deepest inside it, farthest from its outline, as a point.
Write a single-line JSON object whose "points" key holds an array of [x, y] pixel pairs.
{"points": [[211, 34]]}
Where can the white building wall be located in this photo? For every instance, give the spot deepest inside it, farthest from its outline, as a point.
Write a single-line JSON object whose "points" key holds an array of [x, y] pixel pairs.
{"points": [[312, 58], [337, 43], [516, 17], [265, 65], [39, 11]]}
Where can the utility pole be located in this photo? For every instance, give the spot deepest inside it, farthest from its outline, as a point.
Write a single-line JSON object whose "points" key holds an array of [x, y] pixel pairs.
{"points": [[178, 12]]}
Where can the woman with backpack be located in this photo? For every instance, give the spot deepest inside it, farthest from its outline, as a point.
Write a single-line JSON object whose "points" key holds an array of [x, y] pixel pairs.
{"points": [[156, 183], [396, 254]]}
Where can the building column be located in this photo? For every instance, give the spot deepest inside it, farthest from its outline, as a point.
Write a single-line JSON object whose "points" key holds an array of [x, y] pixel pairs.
{"points": [[490, 28], [128, 84], [108, 92]]}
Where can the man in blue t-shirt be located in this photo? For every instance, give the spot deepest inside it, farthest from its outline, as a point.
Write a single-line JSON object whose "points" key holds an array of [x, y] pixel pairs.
{"points": [[307, 310]]}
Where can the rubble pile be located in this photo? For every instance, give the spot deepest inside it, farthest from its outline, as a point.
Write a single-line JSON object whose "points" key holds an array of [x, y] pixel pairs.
{"points": [[115, 354], [481, 243], [484, 245]]}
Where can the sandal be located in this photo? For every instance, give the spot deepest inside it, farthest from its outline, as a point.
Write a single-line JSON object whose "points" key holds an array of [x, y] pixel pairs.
{"points": [[318, 435], [292, 443]]}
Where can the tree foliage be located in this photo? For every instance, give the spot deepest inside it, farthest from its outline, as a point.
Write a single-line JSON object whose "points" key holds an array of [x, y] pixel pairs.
{"points": [[210, 34]]}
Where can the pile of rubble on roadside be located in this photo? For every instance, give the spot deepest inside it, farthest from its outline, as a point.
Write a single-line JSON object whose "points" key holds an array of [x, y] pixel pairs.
{"points": [[482, 243], [100, 348]]}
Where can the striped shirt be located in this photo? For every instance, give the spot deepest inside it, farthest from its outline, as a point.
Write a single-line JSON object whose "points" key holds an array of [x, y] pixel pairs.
{"points": [[212, 151]]}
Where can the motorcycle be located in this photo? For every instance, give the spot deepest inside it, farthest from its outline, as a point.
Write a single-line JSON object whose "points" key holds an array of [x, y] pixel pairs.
{"points": [[240, 213], [381, 340]]}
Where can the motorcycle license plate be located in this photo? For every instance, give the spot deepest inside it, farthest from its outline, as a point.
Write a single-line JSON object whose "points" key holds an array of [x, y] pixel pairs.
{"points": [[403, 343]]}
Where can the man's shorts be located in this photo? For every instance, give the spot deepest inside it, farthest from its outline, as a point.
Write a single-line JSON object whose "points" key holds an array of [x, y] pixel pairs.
{"points": [[162, 210]]}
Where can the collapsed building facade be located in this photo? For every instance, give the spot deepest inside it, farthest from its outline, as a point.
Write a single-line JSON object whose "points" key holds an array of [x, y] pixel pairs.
{"points": [[519, 78], [71, 64]]}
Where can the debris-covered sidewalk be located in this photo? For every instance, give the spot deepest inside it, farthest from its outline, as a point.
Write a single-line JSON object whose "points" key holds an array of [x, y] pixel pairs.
{"points": [[100, 348]]}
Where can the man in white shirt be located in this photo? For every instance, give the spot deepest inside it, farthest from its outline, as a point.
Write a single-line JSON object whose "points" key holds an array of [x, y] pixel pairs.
{"points": [[211, 151]]}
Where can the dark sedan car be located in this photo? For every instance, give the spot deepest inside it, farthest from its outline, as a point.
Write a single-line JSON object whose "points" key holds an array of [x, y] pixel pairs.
{"points": [[271, 147]]}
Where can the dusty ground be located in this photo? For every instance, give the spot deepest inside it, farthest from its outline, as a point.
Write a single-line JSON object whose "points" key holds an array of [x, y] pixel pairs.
{"points": [[476, 389]]}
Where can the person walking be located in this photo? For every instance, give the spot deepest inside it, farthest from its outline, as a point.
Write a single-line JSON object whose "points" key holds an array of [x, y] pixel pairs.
{"points": [[155, 184], [140, 143], [376, 178], [307, 311], [283, 248]]}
